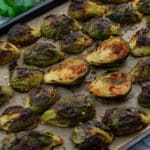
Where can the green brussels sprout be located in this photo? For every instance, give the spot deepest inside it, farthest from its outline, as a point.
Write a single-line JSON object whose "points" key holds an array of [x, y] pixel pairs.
{"points": [[69, 112], [141, 71], [8, 52], [41, 98], [124, 121], [33, 140], [23, 35], [140, 43], [70, 71], [101, 28], [17, 118], [24, 78], [125, 14], [57, 26], [143, 6], [42, 55], [110, 85], [114, 1], [6, 93], [76, 42], [144, 97], [85, 9], [92, 136], [109, 53]]}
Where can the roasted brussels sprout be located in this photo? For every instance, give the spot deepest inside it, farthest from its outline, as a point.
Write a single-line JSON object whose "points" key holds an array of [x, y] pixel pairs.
{"points": [[123, 121], [140, 43], [8, 52], [92, 136], [70, 71], [110, 85], [148, 22], [114, 1], [101, 28], [144, 97], [71, 111], [33, 141], [41, 98], [6, 93], [42, 55], [23, 35], [57, 26], [125, 14], [24, 78], [76, 42], [141, 71], [17, 118], [109, 53], [143, 6], [85, 9]]}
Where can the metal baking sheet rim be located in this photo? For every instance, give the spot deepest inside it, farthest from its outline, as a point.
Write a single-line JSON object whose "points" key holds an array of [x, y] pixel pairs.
{"points": [[18, 99]]}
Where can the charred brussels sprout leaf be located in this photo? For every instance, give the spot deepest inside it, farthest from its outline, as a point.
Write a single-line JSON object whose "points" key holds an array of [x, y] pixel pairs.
{"points": [[76, 42], [114, 1], [101, 28], [92, 135], [143, 6], [70, 71], [17, 118], [70, 111], [33, 141], [109, 53], [41, 98], [57, 26], [125, 14], [124, 121], [140, 43], [23, 35], [85, 9], [42, 55], [8, 52], [110, 85], [141, 71], [24, 78], [6, 93], [144, 97]]}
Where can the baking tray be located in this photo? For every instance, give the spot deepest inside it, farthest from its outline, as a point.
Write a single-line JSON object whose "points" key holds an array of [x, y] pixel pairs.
{"points": [[30, 14], [120, 143]]}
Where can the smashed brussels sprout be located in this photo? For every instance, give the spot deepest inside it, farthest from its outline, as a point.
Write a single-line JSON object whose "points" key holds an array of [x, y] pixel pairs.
{"points": [[144, 97], [85, 9], [57, 26], [92, 136], [141, 71], [17, 118], [110, 85], [8, 52], [24, 78], [41, 98], [42, 55], [71, 111], [109, 53], [76, 42], [125, 14], [140, 43], [101, 28], [70, 71], [114, 1], [143, 6], [124, 121], [23, 35], [6, 93], [33, 141]]}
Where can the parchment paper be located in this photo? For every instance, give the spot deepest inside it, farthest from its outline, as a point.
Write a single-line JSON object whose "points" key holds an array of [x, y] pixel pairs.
{"points": [[65, 133]]}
